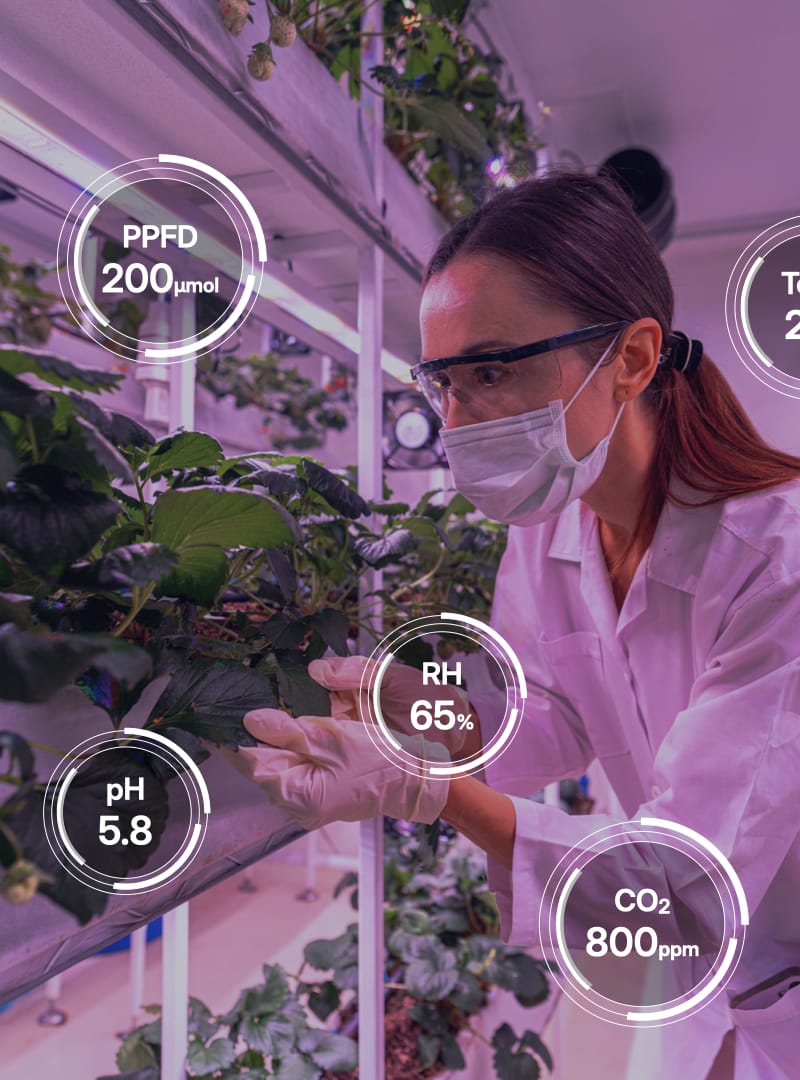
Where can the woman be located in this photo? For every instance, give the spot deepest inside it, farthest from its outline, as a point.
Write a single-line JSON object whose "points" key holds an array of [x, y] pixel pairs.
{"points": [[650, 587]]}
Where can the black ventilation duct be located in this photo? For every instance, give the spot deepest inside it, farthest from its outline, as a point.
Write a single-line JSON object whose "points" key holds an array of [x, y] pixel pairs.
{"points": [[649, 186]]}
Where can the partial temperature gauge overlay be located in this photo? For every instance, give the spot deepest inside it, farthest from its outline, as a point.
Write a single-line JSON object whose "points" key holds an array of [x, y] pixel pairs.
{"points": [[433, 729], [643, 923], [762, 307], [106, 809]]}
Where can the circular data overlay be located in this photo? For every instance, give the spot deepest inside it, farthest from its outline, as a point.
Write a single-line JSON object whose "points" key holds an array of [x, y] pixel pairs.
{"points": [[106, 809], [140, 238], [645, 922], [431, 728], [762, 307]]}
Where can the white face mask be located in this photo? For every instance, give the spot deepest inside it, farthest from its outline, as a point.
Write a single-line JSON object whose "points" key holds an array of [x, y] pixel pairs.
{"points": [[519, 469]]}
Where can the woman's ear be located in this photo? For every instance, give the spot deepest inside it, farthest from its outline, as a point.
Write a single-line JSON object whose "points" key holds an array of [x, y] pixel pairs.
{"points": [[639, 349]]}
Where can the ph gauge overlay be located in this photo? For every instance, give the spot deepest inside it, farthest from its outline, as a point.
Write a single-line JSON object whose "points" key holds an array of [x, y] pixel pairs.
{"points": [[106, 811]]}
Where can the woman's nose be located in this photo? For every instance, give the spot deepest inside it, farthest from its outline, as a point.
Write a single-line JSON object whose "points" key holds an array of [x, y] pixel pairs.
{"points": [[457, 414]]}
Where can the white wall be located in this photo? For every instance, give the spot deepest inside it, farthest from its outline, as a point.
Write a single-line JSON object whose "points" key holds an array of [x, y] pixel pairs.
{"points": [[700, 269]]}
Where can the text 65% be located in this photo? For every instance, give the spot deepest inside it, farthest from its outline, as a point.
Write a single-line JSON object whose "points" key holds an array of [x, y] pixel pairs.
{"points": [[439, 714]]}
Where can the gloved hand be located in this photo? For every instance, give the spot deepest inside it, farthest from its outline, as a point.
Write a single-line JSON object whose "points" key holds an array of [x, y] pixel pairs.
{"points": [[322, 769], [400, 688]]}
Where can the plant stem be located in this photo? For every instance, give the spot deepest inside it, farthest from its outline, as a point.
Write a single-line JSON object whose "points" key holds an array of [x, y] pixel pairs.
{"points": [[138, 600], [477, 1034], [32, 437]]}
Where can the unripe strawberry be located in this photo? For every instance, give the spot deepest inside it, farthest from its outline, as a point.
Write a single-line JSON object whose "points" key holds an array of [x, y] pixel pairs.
{"points": [[234, 14], [260, 63], [20, 882], [282, 31]]}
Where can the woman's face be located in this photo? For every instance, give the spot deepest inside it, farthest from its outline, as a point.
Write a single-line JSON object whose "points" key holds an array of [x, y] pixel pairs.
{"points": [[479, 303]]}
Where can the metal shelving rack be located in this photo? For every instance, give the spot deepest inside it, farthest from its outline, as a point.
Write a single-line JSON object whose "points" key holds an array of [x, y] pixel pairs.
{"points": [[350, 232]]}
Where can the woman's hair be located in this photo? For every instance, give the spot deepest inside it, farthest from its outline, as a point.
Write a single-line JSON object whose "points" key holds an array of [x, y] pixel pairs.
{"points": [[578, 242]]}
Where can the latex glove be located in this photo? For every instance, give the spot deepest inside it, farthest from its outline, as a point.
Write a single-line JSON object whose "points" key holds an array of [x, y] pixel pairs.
{"points": [[321, 769], [400, 688]]}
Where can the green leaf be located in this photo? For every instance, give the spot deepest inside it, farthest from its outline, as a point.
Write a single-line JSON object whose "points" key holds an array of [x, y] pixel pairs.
{"points": [[428, 1047], [429, 1017], [9, 463], [329, 1051], [213, 516], [529, 984], [449, 9], [186, 450], [296, 1067], [339, 495], [210, 701], [19, 399], [433, 972], [265, 999], [118, 429], [134, 564], [504, 1037], [202, 1022], [390, 509], [453, 124], [35, 665], [54, 370], [302, 695], [50, 517], [279, 481], [324, 954], [198, 523], [136, 1051], [125, 431], [509, 1066], [101, 449], [332, 626], [386, 549], [19, 753], [347, 881], [534, 1043], [217, 1055], [284, 574], [452, 1058], [467, 995], [325, 1000]]}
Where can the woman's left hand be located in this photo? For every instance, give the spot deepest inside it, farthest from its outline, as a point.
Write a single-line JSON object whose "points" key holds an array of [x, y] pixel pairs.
{"points": [[323, 769]]}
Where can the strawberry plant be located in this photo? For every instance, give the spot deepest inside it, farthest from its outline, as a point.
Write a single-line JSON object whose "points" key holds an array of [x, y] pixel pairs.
{"points": [[448, 119], [123, 558], [443, 957]]}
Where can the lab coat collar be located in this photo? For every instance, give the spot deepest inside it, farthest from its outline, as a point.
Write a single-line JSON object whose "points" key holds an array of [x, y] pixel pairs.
{"points": [[677, 551]]}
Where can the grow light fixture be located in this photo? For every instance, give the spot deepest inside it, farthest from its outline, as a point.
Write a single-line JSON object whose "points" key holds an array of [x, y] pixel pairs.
{"points": [[26, 135]]}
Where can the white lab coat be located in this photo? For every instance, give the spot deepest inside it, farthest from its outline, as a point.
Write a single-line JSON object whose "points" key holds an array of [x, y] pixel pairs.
{"points": [[690, 699]]}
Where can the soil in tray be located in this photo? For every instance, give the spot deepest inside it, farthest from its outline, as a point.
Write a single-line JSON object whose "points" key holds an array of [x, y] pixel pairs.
{"points": [[402, 1061]]}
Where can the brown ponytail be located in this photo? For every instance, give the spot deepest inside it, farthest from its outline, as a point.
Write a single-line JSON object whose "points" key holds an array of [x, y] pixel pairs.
{"points": [[580, 244]]}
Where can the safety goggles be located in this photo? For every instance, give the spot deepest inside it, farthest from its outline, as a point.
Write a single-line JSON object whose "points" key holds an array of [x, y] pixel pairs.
{"points": [[487, 387]]}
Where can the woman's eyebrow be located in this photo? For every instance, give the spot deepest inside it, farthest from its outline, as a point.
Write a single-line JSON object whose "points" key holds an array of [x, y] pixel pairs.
{"points": [[490, 345]]}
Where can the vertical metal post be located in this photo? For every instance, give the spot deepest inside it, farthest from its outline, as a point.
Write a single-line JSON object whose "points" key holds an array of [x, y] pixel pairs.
{"points": [[183, 324], [175, 993], [137, 957], [175, 950], [370, 861], [371, 1047]]}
